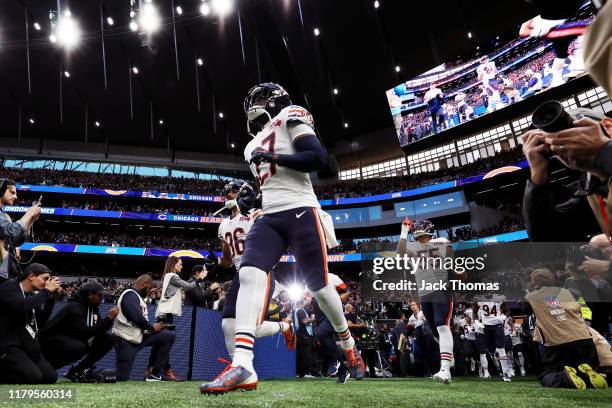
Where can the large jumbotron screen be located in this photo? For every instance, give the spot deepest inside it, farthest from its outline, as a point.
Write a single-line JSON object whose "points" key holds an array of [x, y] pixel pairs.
{"points": [[453, 93]]}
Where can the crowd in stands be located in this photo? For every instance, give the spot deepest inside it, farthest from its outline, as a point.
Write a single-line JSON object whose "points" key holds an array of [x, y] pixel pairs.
{"points": [[213, 187], [153, 208], [135, 182], [134, 239], [508, 224]]}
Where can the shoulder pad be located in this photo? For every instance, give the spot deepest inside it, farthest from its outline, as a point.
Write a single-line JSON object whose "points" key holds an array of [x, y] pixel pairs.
{"points": [[297, 114]]}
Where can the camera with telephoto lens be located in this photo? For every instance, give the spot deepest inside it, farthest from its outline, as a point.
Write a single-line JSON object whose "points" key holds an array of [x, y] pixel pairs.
{"points": [[551, 117]]}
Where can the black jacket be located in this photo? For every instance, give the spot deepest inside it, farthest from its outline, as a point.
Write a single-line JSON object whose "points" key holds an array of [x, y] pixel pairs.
{"points": [[201, 295], [549, 219], [16, 312], [76, 319]]}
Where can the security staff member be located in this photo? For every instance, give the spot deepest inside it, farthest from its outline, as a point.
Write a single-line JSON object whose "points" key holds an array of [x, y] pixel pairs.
{"points": [[22, 314], [77, 331], [569, 352]]}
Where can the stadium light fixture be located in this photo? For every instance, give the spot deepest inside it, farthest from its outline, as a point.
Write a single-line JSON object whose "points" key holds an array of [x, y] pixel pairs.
{"points": [[398, 68], [68, 31], [346, 124], [232, 145], [221, 115], [149, 17], [37, 26], [376, 4], [97, 123], [336, 91], [110, 21], [161, 122], [32, 121], [204, 8], [317, 32], [135, 70], [200, 61], [179, 10], [295, 292], [133, 25], [53, 38], [67, 74], [469, 34], [222, 7]]}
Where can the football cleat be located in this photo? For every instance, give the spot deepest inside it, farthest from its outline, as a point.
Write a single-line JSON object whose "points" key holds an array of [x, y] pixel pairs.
{"points": [[486, 375], [506, 378], [355, 363], [333, 369], [443, 376], [571, 378], [233, 378], [343, 376], [597, 380]]}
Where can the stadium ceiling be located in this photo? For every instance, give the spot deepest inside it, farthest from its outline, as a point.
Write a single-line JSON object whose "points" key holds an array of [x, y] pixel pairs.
{"points": [[84, 93]]}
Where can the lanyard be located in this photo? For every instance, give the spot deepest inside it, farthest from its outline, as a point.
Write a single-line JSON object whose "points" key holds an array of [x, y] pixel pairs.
{"points": [[604, 215], [33, 322]]}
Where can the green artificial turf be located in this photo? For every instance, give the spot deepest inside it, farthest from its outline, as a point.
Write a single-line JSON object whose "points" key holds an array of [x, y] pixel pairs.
{"points": [[379, 393]]}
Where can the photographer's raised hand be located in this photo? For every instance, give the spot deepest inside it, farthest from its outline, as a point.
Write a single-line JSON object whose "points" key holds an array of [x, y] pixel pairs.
{"points": [[536, 151], [578, 147]]}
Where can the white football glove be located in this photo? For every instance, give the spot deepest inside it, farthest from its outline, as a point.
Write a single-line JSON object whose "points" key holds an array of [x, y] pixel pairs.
{"points": [[406, 228], [541, 26]]}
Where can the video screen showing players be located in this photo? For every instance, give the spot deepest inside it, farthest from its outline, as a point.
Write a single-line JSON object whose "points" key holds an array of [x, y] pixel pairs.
{"points": [[544, 54]]}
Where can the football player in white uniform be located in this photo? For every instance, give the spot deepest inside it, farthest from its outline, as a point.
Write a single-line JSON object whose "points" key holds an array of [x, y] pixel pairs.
{"points": [[469, 332], [491, 316], [284, 150], [436, 304], [517, 345], [486, 72], [240, 200]]}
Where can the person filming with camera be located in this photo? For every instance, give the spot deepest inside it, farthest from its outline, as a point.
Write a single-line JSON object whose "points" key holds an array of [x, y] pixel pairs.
{"points": [[25, 306], [132, 331], [580, 140], [13, 234], [78, 332]]}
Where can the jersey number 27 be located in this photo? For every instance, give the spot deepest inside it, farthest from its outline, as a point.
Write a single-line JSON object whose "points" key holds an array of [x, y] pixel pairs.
{"points": [[263, 176]]}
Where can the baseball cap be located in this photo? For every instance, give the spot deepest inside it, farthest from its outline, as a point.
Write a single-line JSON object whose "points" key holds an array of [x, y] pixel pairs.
{"points": [[36, 269]]}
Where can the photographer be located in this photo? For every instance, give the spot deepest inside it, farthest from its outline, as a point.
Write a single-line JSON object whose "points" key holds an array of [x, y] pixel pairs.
{"points": [[22, 313], [202, 294], [358, 329], [132, 331], [13, 234], [586, 146], [77, 331]]}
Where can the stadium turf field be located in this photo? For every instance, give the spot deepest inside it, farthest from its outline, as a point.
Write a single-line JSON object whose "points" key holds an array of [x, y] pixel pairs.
{"points": [[472, 392]]}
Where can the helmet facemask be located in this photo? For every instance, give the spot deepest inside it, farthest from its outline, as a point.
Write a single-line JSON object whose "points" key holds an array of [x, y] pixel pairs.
{"points": [[263, 103]]}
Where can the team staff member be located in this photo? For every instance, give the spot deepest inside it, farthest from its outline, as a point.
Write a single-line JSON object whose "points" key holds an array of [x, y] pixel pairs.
{"points": [[77, 331], [22, 313], [132, 331], [569, 355], [12, 234]]}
